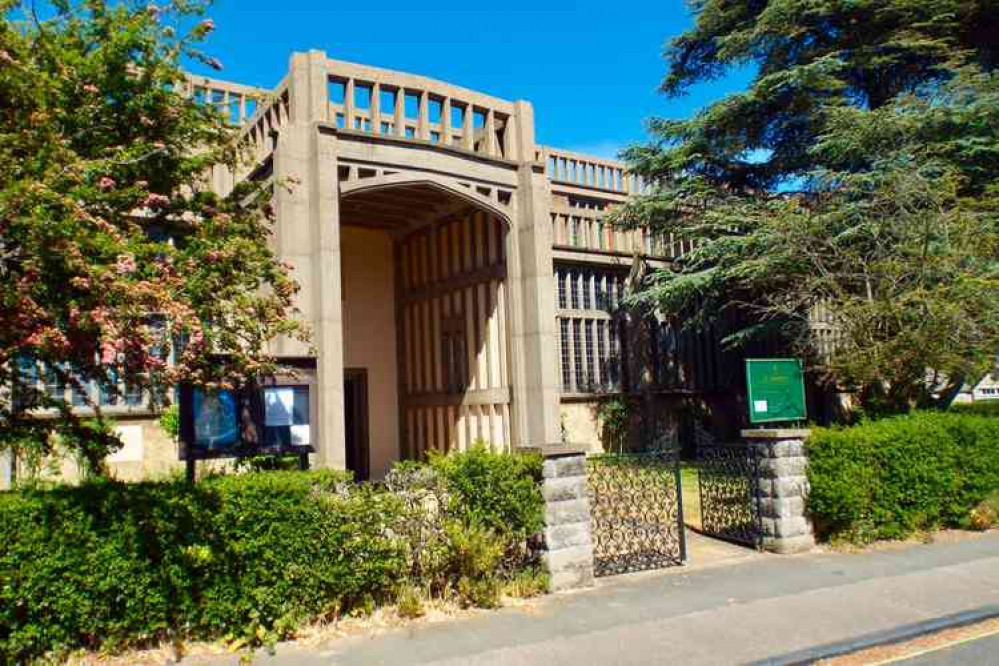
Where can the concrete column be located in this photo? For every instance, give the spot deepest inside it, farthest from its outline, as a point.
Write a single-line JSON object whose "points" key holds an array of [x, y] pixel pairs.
{"points": [[307, 236], [783, 489], [532, 332], [308, 87], [376, 109], [568, 542], [6, 470]]}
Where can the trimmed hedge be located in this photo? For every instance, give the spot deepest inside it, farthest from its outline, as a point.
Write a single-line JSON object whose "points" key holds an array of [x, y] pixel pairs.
{"points": [[890, 478], [246, 557], [980, 408]]}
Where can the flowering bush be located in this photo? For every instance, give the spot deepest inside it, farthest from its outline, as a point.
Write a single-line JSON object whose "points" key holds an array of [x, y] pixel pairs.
{"points": [[112, 249]]}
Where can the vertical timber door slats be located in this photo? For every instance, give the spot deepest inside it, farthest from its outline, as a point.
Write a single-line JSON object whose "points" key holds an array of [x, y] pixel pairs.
{"points": [[455, 328]]}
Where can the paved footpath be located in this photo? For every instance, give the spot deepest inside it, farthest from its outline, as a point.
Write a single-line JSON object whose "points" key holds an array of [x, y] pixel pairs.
{"points": [[767, 609]]}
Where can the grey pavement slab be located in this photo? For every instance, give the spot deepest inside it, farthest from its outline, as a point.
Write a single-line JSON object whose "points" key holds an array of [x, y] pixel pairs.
{"points": [[764, 609]]}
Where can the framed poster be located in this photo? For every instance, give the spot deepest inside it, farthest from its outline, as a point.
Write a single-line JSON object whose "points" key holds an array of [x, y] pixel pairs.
{"points": [[287, 416], [270, 417]]}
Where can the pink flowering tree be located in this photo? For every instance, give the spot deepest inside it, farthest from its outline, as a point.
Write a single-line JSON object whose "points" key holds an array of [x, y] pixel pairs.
{"points": [[116, 260]]}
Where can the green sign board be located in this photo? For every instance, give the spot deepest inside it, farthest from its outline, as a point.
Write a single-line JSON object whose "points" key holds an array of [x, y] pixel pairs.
{"points": [[776, 390]]}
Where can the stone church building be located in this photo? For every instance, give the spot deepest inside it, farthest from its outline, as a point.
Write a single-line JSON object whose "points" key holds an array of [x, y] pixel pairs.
{"points": [[459, 278]]}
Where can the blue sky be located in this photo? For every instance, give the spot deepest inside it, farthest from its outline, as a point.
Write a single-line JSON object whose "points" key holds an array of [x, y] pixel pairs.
{"points": [[590, 68]]}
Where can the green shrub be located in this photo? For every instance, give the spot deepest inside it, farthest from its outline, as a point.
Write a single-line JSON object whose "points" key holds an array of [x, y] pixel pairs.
{"points": [[245, 557], [170, 421], [409, 603], [498, 491], [980, 408], [249, 557], [471, 520], [890, 478]]}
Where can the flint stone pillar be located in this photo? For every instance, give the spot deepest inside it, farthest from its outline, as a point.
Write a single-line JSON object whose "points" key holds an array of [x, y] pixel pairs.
{"points": [[568, 544], [783, 488]]}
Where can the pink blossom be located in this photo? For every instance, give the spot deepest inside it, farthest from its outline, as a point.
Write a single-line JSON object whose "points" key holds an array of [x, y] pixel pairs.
{"points": [[223, 218], [208, 25], [108, 353], [153, 10], [35, 339], [155, 201], [106, 183], [6, 57], [159, 145], [142, 184], [91, 88], [213, 255], [125, 265]]}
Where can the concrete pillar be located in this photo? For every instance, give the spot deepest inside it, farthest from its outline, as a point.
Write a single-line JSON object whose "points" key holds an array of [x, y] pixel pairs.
{"points": [[532, 337], [783, 488], [6, 469], [568, 542], [307, 235]]}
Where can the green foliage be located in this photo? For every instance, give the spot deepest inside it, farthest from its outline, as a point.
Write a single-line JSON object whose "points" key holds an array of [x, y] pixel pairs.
{"points": [[890, 478], [471, 521], [246, 557], [980, 408], [615, 419], [170, 421], [856, 174], [249, 557], [528, 582], [113, 249], [811, 59], [409, 603], [475, 555], [498, 491]]}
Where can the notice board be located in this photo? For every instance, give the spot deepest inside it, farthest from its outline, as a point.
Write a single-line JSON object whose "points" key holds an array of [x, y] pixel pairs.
{"points": [[776, 390]]}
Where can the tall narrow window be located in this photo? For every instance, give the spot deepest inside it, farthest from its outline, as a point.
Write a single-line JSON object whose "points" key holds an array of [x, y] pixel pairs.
{"points": [[591, 375], [614, 361], [602, 351], [587, 279], [573, 276], [54, 386], [564, 354], [560, 276], [577, 355]]}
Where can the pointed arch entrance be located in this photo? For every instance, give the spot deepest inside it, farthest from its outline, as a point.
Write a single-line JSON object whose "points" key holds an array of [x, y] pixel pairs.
{"points": [[448, 341]]}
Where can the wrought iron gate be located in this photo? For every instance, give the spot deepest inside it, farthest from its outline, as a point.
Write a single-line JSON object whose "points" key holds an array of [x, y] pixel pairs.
{"points": [[636, 511], [729, 481]]}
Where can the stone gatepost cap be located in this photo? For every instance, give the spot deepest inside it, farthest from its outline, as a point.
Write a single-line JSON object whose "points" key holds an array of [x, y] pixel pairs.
{"points": [[554, 450], [777, 433]]}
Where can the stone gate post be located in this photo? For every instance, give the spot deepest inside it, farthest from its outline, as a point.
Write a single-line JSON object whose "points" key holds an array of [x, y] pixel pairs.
{"points": [[783, 488], [568, 542]]}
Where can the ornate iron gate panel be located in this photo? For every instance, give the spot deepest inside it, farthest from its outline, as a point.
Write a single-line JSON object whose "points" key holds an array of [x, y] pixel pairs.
{"points": [[636, 512], [728, 477]]}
